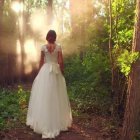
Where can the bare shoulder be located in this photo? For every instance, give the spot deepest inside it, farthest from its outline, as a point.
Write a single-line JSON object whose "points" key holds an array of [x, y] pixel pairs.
{"points": [[58, 46], [43, 47]]}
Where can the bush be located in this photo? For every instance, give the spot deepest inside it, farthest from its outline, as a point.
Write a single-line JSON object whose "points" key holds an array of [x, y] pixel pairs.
{"points": [[88, 80], [13, 107]]}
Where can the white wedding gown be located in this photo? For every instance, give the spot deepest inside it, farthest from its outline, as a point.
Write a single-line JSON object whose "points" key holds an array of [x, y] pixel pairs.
{"points": [[49, 109]]}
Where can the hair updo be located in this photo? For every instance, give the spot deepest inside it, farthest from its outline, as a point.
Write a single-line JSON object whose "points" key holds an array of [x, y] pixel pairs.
{"points": [[51, 36]]}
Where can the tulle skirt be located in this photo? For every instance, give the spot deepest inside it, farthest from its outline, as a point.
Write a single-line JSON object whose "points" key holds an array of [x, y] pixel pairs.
{"points": [[49, 109]]}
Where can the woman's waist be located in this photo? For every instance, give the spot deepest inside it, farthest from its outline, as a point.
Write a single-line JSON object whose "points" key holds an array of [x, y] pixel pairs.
{"points": [[52, 66], [51, 63]]}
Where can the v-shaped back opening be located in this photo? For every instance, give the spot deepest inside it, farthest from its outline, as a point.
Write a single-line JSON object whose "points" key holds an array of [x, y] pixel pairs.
{"points": [[53, 49]]}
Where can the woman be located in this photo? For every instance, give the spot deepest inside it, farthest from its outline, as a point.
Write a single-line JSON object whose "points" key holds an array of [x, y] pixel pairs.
{"points": [[49, 109]]}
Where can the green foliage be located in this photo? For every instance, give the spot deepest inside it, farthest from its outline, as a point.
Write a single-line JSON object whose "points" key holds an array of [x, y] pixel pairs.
{"points": [[125, 61], [13, 107], [123, 12], [88, 80]]}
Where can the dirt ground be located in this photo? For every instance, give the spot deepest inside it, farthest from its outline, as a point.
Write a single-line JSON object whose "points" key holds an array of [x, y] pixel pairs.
{"points": [[83, 128]]}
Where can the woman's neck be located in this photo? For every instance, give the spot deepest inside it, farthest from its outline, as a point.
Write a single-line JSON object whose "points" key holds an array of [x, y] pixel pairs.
{"points": [[51, 43]]}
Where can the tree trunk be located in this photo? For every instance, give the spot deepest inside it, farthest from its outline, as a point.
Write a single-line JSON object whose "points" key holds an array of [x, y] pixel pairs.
{"points": [[80, 11], [61, 20], [1, 15], [110, 44], [2, 71], [49, 12], [76, 11], [21, 40], [133, 98], [114, 71]]}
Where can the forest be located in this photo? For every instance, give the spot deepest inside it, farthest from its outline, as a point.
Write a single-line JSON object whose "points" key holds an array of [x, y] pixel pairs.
{"points": [[101, 43]]}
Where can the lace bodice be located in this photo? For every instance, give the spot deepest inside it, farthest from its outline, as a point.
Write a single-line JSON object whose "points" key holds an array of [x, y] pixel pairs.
{"points": [[51, 57]]}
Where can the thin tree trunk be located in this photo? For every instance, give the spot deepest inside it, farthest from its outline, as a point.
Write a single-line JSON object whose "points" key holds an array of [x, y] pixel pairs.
{"points": [[2, 71], [61, 23], [1, 15], [21, 39], [49, 12], [113, 83], [1, 7], [133, 98], [76, 9], [110, 44]]}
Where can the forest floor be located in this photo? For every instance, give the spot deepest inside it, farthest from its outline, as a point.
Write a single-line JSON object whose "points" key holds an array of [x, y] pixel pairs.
{"points": [[84, 127]]}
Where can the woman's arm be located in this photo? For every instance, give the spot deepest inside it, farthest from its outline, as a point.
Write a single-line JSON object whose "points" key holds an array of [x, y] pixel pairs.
{"points": [[60, 61], [41, 60]]}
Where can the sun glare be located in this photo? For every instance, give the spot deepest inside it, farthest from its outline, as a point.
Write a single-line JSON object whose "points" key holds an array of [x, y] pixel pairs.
{"points": [[30, 51], [32, 56], [18, 50], [38, 18], [17, 6], [38, 22]]}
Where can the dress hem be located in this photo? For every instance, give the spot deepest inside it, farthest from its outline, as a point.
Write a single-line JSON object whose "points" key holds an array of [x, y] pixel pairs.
{"points": [[49, 134]]}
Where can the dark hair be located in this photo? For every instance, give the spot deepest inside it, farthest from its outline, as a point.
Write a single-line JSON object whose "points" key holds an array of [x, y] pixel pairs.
{"points": [[51, 36]]}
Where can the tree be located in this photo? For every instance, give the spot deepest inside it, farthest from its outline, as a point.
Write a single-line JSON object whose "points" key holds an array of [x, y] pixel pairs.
{"points": [[110, 44], [1, 15], [1, 11], [50, 12], [76, 12], [122, 12], [133, 98]]}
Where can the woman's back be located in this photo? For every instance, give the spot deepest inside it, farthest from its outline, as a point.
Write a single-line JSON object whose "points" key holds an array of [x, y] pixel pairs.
{"points": [[51, 57]]}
